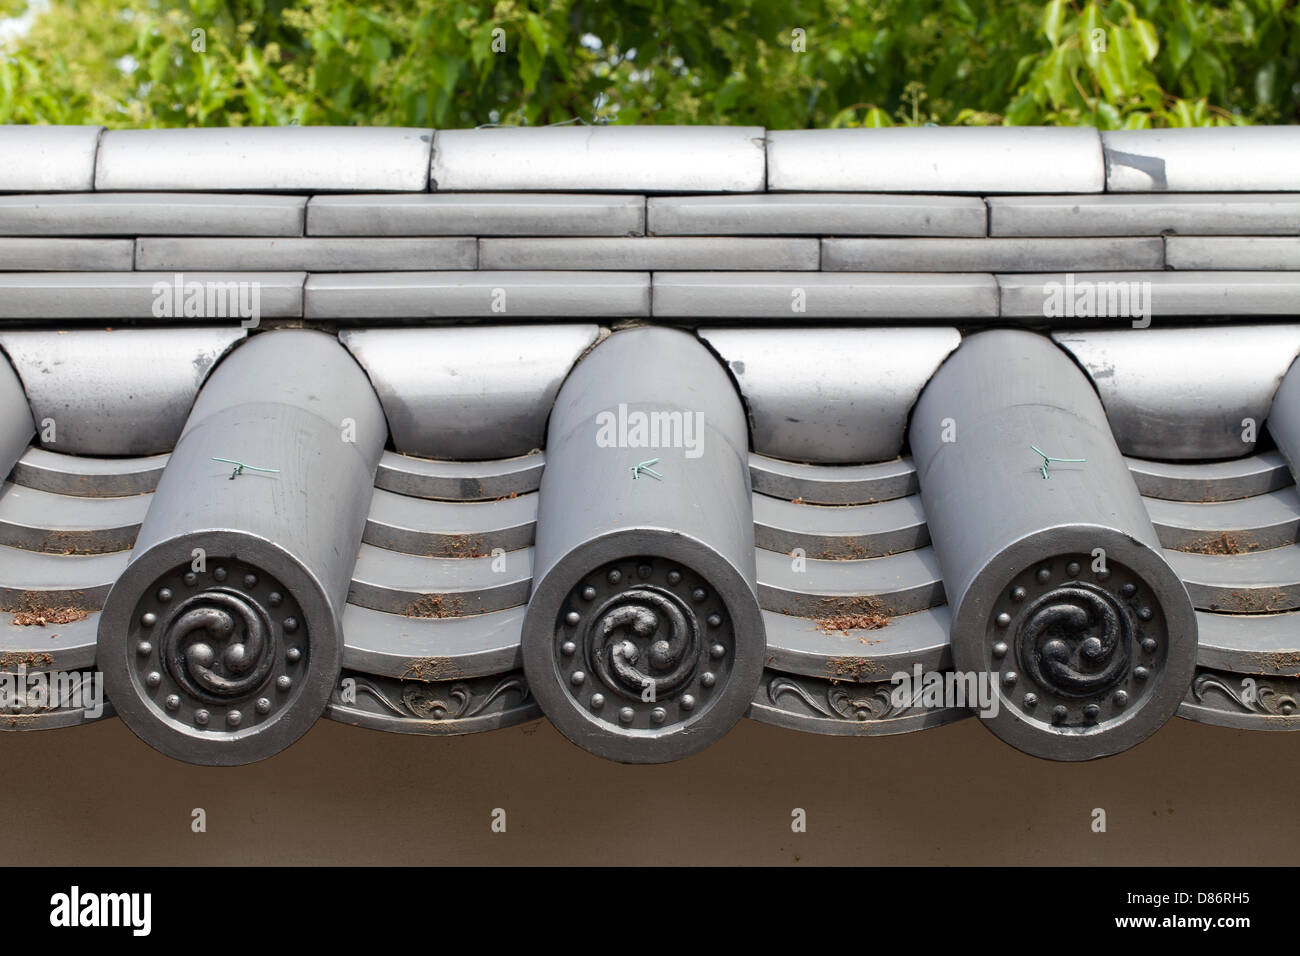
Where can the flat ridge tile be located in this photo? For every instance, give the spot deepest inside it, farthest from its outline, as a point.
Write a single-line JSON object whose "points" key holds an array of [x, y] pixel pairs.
{"points": [[476, 214], [991, 255], [321, 255], [817, 214], [151, 214], [1144, 215], [135, 295], [499, 296], [66, 255], [796, 296], [1056, 295], [1213, 253], [670, 253]]}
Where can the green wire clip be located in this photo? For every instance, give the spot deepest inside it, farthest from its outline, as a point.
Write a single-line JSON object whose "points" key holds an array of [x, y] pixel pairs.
{"points": [[1048, 459], [645, 467], [240, 466]]}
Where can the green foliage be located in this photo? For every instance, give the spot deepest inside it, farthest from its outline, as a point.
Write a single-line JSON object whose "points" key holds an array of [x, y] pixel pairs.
{"points": [[780, 64]]}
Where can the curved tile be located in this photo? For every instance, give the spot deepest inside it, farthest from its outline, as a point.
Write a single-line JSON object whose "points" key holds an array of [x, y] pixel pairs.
{"points": [[66, 524], [835, 532], [64, 647], [393, 645], [797, 645], [455, 529], [468, 393], [271, 158], [1255, 474], [466, 706], [833, 484], [12, 719], [460, 480], [124, 392], [1249, 643], [1265, 521], [16, 423], [1253, 583], [1184, 393], [831, 395], [1232, 159], [41, 158], [87, 477], [639, 159], [1242, 702], [829, 707], [36, 581], [898, 584], [953, 159], [438, 587]]}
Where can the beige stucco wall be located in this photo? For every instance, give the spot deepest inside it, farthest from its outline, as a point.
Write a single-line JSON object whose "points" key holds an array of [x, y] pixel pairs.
{"points": [[1193, 794]]}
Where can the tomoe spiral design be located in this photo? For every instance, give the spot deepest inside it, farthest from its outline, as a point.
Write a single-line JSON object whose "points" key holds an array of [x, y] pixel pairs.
{"points": [[1076, 641], [219, 645], [644, 638]]}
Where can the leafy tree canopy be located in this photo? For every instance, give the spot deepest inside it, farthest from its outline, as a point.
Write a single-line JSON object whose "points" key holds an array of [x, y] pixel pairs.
{"points": [[783, 64]]}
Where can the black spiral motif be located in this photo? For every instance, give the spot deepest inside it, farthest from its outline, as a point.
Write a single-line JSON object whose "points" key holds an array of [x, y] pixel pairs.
{"points": [[219, 645], [644, 639], [1076, 640]]}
